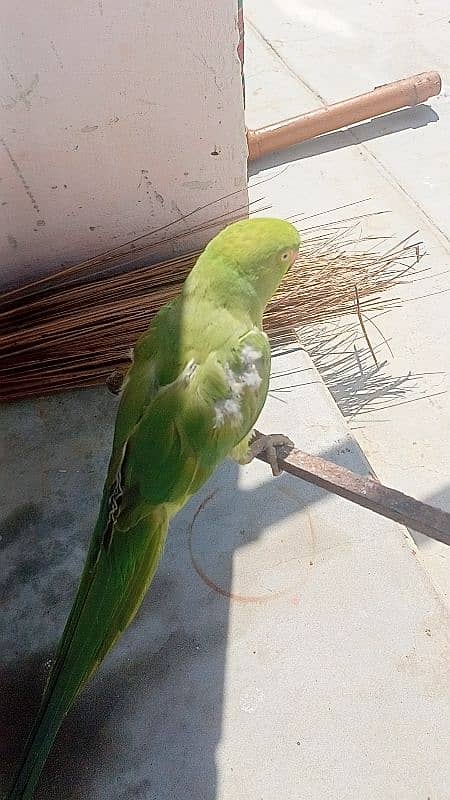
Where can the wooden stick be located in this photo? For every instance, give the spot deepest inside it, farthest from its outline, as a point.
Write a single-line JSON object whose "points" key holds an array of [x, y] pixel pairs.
{"points": [[367, 492], [390, 97]]}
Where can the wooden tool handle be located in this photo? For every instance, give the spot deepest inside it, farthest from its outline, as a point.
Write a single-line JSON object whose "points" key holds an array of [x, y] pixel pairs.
{"points": [[390, 97]]}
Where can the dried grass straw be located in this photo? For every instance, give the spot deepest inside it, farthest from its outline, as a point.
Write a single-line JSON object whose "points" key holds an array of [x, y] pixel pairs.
{"points": [[77, 326]]}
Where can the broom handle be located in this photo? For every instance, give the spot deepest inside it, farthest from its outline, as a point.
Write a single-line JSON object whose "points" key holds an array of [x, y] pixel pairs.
{"points": [[367, 492], [390, 97]]}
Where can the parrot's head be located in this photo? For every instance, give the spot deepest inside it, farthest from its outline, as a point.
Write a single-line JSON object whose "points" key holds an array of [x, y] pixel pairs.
{"points": [[257, 251]]}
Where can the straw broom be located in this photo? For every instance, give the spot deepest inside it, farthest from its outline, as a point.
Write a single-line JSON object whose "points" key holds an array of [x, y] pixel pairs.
{"points": [[76, 327]]}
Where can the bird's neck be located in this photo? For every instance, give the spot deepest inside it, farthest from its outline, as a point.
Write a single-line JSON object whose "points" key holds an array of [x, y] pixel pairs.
{"points": [[229, 292]]}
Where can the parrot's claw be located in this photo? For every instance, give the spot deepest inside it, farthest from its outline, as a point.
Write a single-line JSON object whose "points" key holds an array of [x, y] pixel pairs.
{"points": [[114, 381], [270, 445]]}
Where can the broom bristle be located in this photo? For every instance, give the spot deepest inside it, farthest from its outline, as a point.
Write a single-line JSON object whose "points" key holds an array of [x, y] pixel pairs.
{"points": [[74, 329]]}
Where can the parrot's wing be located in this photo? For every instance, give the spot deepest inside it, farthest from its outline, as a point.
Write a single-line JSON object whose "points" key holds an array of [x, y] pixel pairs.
{"points": [[189, 426], [139, 387], [185, 429], [169, 439]]}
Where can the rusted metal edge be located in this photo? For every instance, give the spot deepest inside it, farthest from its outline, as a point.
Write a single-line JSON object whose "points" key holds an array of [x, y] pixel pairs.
{"points": [[367, 492]]}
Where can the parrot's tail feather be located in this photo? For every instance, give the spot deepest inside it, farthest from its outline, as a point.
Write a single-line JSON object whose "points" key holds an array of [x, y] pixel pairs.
{"points": [[112, 588]]}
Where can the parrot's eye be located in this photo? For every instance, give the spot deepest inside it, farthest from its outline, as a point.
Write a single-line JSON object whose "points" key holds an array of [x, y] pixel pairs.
{"points": [[285, 256]]}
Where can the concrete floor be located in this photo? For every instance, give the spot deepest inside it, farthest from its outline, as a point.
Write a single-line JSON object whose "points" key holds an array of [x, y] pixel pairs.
{"points": [[291, 645], [299, 56]]}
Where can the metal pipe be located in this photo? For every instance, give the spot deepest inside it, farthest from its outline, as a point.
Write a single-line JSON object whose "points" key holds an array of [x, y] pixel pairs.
{"points": [[389, 97], [367, 492]]}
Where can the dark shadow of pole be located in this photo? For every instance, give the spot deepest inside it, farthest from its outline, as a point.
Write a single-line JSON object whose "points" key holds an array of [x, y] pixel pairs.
{"points": [[386, 125]]}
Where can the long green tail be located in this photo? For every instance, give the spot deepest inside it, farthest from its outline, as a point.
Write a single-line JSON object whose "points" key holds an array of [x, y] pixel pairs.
{"points": [[113, 585]]}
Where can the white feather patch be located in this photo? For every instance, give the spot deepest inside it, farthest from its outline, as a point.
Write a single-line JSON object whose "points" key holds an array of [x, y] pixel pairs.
{"points": [[250, 355], [229, 410]]}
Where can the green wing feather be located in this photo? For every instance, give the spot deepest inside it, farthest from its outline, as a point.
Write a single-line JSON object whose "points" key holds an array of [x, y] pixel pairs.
{"points": [[168, 440]]}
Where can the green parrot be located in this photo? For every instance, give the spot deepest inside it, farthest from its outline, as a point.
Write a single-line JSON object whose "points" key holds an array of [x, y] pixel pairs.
{"points": [[196, 386]]}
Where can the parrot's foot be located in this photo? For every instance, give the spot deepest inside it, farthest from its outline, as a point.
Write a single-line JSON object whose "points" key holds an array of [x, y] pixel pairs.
{"points": [[114, 381], [270, 445]]}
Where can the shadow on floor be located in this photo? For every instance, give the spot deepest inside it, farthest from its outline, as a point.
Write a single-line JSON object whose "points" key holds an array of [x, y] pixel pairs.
{"points": [[149, 724], [358, 385], [417, 117]]}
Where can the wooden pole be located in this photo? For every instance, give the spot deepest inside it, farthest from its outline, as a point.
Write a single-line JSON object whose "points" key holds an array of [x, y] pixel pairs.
{"points": [[367, 492], [390, 97]]}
